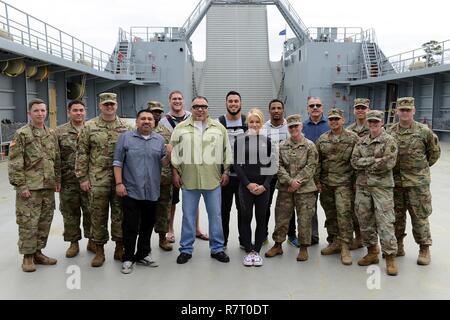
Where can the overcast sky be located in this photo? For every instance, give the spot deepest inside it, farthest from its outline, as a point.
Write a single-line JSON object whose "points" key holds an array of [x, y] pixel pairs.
{"points": [[400, 25]]}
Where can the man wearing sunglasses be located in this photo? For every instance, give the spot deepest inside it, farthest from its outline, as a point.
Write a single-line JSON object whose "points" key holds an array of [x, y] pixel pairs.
{"points": [[313, 128], [201, 161]]}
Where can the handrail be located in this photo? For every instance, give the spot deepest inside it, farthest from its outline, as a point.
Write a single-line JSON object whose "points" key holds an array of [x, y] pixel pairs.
{"points": [[36, 34]]}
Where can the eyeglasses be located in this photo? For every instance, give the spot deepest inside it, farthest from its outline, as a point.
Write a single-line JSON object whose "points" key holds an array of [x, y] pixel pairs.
{"points": [[198, 107], [334, 119], [361, 108], [317, 106]]}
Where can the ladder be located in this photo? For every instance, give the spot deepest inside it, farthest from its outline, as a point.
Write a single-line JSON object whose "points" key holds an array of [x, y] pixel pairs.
{"points": [[371, 59], [391, 114]]}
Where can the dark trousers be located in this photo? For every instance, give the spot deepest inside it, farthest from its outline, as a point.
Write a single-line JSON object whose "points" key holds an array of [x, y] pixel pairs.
{"points": [[228, 191], [138, 220], [248, 201], [291, 231]]}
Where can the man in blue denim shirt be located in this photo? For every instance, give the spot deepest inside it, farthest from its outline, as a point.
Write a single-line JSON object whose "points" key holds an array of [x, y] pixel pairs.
{"points": [[138, 159], [313, 128]]}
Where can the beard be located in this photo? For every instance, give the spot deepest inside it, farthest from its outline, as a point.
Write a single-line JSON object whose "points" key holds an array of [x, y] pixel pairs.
{"points": [[234, 113]]}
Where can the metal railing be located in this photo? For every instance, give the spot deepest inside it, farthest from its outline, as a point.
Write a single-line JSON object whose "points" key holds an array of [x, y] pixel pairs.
{"points": [[294, 15], [341, 34], [34, 33], [155, 34]]}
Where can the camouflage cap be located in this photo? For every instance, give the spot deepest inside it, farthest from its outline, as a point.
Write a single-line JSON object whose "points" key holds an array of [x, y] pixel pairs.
{"points": [[108, 98], [294, 120], [361, 102], [336, 113], [155, 106], [375, 115], [406, 103]]}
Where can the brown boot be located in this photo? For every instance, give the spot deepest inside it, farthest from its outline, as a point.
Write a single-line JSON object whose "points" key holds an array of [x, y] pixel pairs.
{"points": [[424, 258], [303, 253], [163, 243], [391, 266], [346, 257], [401, 248], [28, 264], [40, 258], [275, 250], [118, 252], [333, 248], [99, 258], [371, 257], [73, 250], [91, 246], [357, 241]]}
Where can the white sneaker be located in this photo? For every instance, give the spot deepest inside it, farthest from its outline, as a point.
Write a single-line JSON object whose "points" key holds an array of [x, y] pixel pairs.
{"points": [[148, 262], [127, 267], [248, 260], [257, 260]]}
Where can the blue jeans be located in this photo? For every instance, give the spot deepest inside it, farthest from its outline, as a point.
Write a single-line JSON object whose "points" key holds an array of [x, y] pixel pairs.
{"points": [[213, 200]]}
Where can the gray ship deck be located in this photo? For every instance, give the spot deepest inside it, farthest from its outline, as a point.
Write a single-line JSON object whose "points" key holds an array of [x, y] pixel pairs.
{"points": [[281, 278]]}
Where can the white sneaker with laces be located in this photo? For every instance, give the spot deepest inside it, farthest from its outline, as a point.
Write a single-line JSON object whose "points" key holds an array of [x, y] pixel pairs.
{"points": [[127, 267], [248, 260], [257, 260], [148, 262]]}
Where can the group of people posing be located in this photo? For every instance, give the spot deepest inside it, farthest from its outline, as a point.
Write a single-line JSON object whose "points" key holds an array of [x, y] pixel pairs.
{"points": [[368, 176]]}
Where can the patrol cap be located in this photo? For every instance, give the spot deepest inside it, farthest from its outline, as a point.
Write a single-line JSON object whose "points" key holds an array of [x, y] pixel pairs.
{"points": [[294, 120], [361, 102], [108, 97], [336, 113], [406, 103], [375, 115], [155, 106]]}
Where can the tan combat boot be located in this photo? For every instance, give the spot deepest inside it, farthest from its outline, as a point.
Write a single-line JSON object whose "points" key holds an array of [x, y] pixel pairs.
{"points": [[424, 258], [99, 258], [163, 243], [391, 266], [73, 250], [303, 254], [118, 252], [91, 246], [401, 248], [28, 264], [357, 242], [333, 248], [346, 257], [275, 250], [40, 258], [371, 257]]}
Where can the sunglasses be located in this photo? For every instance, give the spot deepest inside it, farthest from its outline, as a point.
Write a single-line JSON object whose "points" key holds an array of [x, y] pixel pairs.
{"points": [[334, 119], [361, 108], [317, 106], [294, 126], [198, 107]]}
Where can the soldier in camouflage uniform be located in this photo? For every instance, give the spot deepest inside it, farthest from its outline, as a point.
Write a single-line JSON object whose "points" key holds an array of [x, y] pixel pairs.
{"points": [[298, 162], [94, 170], [165, 200], [418, 151], [335, 179], [374, 157], [361, 107], [34, 171], [72, 199]]}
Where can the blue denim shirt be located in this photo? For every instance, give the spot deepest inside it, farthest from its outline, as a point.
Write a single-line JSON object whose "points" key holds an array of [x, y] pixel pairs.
{"points": [[140, 160], [313, 131]]}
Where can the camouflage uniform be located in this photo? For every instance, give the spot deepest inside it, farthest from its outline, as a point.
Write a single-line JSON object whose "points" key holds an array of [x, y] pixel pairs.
{"points": [[94, 163], [374, 202], [362, 132], [336, 176], [165, 200], [418, 151], [34, 165], [72, 199], [298, 160]]}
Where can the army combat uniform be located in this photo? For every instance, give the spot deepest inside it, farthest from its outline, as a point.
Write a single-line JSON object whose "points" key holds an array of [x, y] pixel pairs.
{"points": [[72, 198], [360, 131], [297, 161], [94, 163], [374, 159], [336, 175], [418, 151], [34, 165]]}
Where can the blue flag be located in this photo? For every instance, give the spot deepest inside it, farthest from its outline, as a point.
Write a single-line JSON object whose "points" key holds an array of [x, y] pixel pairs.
{"points": [[283, 32]]}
